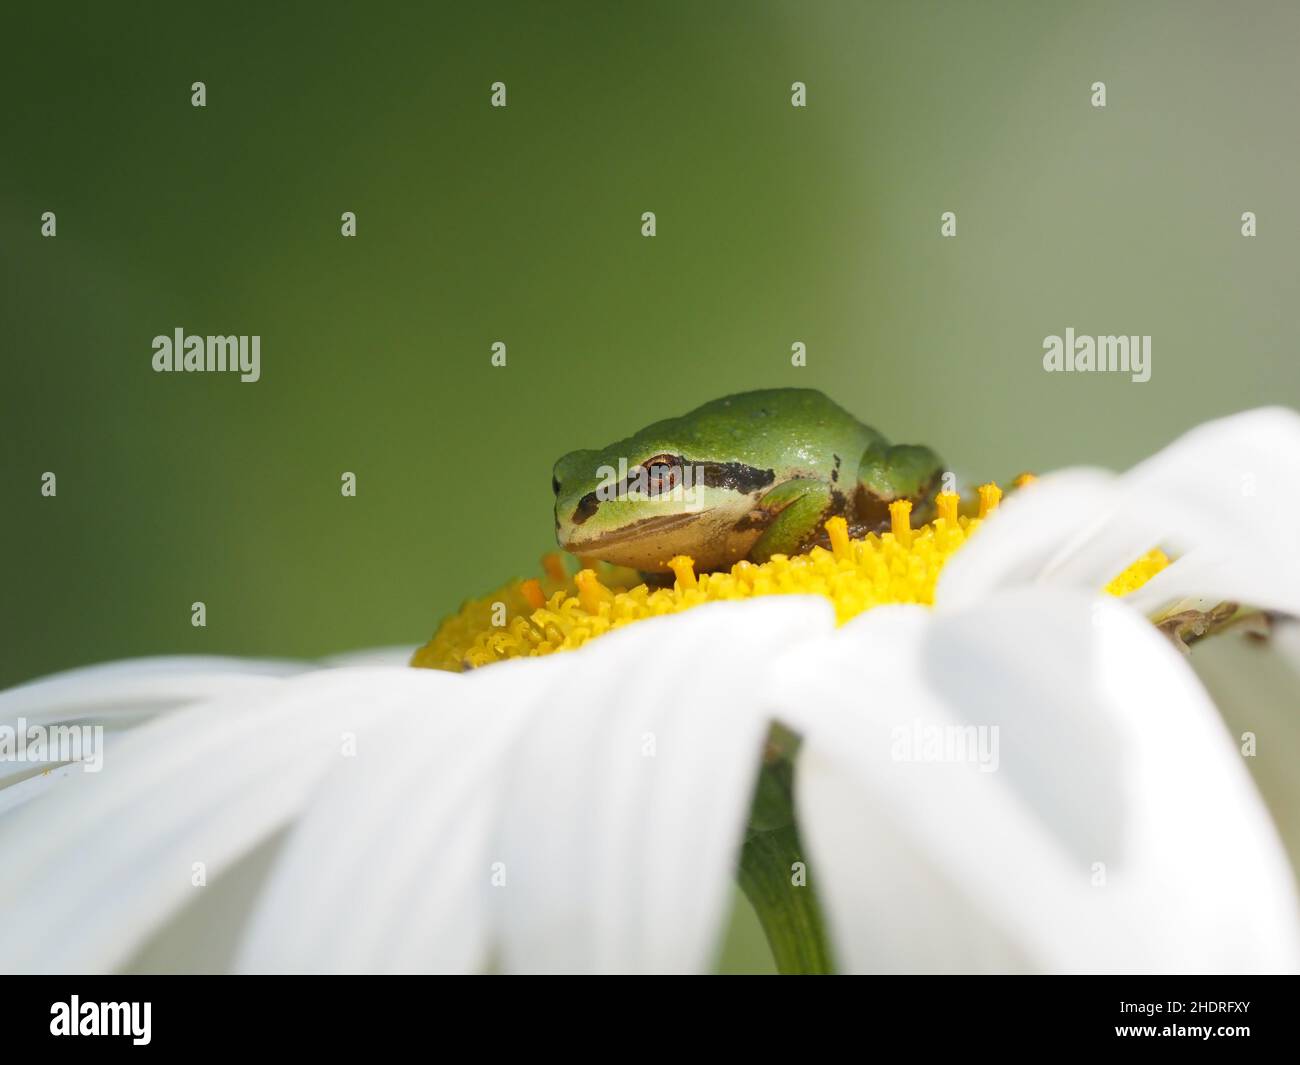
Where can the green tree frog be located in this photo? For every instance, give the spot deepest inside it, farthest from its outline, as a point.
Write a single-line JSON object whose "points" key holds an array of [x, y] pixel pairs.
{"points": [[743, 477]]}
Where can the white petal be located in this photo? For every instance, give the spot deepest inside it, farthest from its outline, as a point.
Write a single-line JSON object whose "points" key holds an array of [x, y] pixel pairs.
{"points": [[388, 870], [21, 792], [203, 935], [1218, 497], [134, 688], [613, 859], [1109, 752], [1208, 576], [120, 695], [105, 859], [1019, 541], [1222, 495], [624, 862]]}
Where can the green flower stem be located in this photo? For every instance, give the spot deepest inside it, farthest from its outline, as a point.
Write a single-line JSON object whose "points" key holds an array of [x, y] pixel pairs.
{"points": [[788, 911]]}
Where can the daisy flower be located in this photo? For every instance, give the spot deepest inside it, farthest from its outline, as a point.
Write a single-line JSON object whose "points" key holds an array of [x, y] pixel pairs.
{"points": [[972, 745]]}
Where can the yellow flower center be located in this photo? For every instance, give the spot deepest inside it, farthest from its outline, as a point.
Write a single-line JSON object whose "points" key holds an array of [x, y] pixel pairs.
{"points": [[558, 613]]}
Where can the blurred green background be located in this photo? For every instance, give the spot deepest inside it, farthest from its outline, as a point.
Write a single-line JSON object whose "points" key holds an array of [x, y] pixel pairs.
{"points": [[475, 224]]}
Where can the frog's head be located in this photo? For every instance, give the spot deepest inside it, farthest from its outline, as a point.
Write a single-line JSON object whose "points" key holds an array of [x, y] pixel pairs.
{"points": [[642, 500]]}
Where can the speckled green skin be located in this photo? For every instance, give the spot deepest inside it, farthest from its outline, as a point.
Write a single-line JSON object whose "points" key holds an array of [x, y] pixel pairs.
{"points": [[773, 465]]}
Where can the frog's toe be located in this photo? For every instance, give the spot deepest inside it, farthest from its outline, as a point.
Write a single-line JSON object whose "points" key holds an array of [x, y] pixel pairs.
{"points": [[904, 471]]}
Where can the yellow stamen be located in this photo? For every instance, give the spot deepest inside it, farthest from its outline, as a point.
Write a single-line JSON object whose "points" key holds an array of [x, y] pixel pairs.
{"points": [[946, 503], [990, 496], [553, 564], [590, 591], [900, 521], [560, 612], [1024, 479], [531, 590], [838, 530], [1139, 573], [683, 567]]}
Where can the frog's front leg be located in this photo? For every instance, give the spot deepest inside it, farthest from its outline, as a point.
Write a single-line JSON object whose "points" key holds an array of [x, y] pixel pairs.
{"points": [[797, 507], [905, 471]]}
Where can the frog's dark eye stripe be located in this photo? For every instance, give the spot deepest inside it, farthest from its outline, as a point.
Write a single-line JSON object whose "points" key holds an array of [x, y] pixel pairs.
{"points": [[555, 485], [736, 476], [585, 509]]}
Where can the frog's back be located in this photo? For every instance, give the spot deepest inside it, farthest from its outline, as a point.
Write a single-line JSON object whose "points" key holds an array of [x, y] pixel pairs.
{"points": [[801, 424]]}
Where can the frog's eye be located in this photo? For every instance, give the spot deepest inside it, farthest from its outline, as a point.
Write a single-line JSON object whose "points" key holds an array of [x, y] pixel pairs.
{"points": [[555, 485], [663, 472]]}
